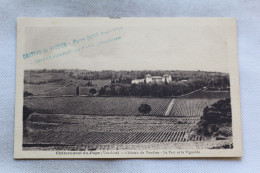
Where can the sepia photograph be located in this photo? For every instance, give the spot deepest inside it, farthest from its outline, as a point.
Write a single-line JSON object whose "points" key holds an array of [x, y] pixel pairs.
{"points": [[127, 88], [116, 110]]}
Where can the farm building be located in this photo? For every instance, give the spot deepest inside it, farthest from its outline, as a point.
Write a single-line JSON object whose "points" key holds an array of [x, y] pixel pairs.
{"points": [[137, 81], [153, 79]]}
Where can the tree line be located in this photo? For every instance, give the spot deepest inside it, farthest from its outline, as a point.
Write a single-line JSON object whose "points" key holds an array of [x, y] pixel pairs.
{"points": [[133, 74], [152, 89], [164, 89]]}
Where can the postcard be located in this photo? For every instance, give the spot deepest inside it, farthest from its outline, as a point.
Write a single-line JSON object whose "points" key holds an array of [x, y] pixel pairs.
{"points": [[127, 88]]}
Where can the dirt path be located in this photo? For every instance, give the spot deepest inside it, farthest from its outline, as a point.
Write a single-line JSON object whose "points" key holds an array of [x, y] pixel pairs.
{"points": [[169, 108]]}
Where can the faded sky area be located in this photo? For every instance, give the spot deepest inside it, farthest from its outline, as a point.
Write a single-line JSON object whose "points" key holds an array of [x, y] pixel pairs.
{"points": [[132, 44]]}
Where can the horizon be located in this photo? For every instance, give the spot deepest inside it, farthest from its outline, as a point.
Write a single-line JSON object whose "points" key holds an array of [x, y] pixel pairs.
{"points": [[124, 70]]}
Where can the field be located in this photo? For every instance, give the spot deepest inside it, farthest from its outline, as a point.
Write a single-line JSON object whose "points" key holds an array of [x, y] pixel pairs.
{"points": [[108, 123], [193, 104], [208, 95], [190, 107], [40, 78], [85, 132], [95, 105], [82, 130], [64, 87]]}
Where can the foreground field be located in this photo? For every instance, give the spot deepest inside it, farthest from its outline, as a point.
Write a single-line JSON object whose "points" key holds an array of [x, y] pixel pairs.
{"points": [[81, 132], [108, 123], [108, 132]]}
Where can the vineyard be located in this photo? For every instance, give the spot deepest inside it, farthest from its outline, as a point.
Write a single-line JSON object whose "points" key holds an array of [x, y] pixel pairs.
{"points": [[96, 105], [190, 107], [87, 130], [125, 106], [208, 95], [193, 104], [88, 123], [114, 138]]}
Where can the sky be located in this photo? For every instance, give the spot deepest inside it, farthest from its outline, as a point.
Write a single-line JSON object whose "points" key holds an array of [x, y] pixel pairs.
{"points": [[131, 44]]}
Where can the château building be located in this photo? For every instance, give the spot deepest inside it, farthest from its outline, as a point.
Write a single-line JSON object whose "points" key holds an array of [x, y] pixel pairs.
{"points": [[153, 79]]}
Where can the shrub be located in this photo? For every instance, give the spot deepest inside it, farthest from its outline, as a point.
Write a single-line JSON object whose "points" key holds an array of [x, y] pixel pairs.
{"points": [[26, 94], [26, 112], [213, 118], [77, 90], [218, 113], [92, 91], [144, 109]]}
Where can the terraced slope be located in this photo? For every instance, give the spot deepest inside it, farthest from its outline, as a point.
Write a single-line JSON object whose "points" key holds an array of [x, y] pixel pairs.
{"points": [[190, 107]]}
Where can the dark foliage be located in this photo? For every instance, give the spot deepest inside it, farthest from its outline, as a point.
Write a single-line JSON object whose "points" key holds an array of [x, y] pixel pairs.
{"points": [[152, 89], [89, 83], [218, 113], [214, 117], [144, 109], [26, 112], [26, 94], [92, 91], [77, 90]]}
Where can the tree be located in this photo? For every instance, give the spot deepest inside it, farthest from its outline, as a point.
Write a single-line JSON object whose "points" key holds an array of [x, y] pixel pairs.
{"points": [[120, 78], [166, 90], [226, 82], [26, 93], [147, 90], [77, 90], [124, 91], [26, 112], [165, 81], [218, 113], [89, 83], [102, 91], [112, 80], [108, 90], [214, 117], [144, 109], [92, 91]]}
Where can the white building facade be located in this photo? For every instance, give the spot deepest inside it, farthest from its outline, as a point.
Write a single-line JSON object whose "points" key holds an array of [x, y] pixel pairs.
{"points": [[153, 79]]}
